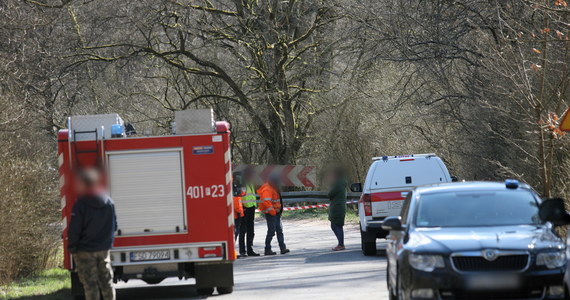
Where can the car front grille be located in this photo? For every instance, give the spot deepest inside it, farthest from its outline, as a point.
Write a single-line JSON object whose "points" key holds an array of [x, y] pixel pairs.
{"points": [[506, 263]]}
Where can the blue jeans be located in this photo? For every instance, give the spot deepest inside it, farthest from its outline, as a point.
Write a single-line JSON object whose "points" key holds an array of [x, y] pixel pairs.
{"points": [[339, 232], [274, 226]]}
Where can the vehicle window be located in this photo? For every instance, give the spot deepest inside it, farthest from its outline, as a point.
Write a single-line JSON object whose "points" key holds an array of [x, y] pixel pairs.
{"points": [[406, 208], [394, 173], [481, 208]]}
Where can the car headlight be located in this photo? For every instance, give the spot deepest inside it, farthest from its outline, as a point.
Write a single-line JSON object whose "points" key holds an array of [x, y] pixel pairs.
{"points": [[426, 262], [551, 260]]}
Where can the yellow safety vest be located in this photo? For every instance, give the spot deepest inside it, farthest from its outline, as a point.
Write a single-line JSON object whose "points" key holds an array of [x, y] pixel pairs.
{"points": [[249, 199]]}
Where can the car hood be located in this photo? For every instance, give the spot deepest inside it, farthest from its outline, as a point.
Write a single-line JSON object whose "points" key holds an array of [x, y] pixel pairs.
{"points": [[447, 240]]}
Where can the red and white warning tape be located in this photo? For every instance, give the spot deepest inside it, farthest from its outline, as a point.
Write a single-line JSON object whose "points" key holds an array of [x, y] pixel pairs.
{"points": [[312, 206]]}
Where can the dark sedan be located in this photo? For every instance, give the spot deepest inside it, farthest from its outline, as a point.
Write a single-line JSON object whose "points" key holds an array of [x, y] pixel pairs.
{"points": [[473, 240]]}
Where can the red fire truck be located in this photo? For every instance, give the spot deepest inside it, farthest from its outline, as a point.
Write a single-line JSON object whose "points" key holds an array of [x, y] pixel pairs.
{"points": [[172, 194]]}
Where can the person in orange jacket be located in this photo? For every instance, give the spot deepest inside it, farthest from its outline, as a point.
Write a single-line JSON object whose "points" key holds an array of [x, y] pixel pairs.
{"points": [[271, 205], [238, 192], [238, 214]]}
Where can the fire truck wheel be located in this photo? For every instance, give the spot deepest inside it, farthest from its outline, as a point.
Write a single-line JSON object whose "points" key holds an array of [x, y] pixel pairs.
{"points": [[222, 290], [76, 287], [205, 291]]}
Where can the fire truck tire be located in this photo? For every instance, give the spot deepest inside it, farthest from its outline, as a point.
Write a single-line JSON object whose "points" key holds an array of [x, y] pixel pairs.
{"points": [[77, 291], [225, 290], [215, 274], [205, 291]]}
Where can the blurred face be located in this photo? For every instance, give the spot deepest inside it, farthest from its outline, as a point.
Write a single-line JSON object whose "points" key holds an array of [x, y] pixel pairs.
{"points": [[332, 176], [83, 187], [274, 183], [248, 176], [80, 187]]}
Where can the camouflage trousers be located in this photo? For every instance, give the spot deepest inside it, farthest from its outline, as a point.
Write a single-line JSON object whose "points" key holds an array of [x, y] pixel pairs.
{"points": [[95, 273]]}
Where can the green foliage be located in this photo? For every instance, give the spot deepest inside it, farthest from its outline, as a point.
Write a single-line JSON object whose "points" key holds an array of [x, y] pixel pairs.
{"points": [[321, 214], [52, 284]]}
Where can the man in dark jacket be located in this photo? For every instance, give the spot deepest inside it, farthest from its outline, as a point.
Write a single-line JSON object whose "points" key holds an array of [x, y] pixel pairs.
{"points": [[90, 236]]}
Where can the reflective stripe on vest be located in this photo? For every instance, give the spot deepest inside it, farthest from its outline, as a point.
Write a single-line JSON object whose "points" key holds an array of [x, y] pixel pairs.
{"points": [[249, 200], [267, 210]]}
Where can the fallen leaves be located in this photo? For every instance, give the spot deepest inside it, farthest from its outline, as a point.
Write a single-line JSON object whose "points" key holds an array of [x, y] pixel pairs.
{"points": [[535, 67], [552, 125]]}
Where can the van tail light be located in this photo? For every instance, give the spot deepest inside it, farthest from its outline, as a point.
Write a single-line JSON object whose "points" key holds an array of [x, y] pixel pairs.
{"points": [[366, 199], [209, 252]]}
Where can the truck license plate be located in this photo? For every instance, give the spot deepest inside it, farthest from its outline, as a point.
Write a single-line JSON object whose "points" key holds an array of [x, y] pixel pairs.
{"points": [[150, 255]]}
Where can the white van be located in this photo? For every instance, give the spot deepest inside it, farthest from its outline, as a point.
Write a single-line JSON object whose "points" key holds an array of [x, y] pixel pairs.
{"points": [[387, 184]]}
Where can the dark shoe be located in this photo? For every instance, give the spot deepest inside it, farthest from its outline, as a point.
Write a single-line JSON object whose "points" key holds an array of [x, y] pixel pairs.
{"points": [[253, 254], [285, 251], [242, 255], [270, 252]]}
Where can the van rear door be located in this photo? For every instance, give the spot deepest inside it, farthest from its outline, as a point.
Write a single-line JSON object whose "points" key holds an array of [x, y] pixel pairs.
{"points": [[394, 177]]}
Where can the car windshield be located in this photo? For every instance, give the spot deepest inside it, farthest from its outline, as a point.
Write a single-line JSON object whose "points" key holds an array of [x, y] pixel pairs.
{"points": [[480, 208]]}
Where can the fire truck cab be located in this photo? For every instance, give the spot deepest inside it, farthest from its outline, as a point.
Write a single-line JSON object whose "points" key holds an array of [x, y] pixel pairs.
{"points": [[172, 194]]}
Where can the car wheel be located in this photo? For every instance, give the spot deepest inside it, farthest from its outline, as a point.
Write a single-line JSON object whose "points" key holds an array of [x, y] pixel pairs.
{"points": [[222, 290], [205, 291], [368, 247]]}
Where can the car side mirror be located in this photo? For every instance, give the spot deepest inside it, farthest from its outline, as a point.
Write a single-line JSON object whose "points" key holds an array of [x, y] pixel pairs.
{"points": [[454, 179], [393, 223], [553, 211], [356, 187]]}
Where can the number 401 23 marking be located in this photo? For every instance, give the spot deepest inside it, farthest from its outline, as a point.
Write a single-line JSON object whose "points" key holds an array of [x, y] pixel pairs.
{"points": [[214, 191]]}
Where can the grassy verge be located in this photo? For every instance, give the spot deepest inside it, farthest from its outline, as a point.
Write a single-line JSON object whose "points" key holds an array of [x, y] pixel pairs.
{"points": [[320, 214], [53, 284]]}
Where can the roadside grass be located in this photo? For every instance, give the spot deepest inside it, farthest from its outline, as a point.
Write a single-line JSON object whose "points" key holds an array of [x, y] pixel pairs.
{"points": [[321, 214], [52, 284]]}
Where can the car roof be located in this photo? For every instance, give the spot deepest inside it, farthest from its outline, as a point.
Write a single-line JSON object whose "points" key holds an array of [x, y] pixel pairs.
{"points": [[469, 186]]}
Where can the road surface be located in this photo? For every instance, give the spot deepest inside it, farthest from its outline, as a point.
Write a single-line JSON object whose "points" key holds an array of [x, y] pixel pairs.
{"points": [[310, 271]]}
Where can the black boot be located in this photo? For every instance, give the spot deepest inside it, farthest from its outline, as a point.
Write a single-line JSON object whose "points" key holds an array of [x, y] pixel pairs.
{"points": [[269, 252], [252, 253], [285, 251]]}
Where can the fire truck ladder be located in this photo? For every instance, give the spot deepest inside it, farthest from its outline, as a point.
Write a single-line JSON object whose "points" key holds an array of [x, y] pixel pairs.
{"points": [[95, 149]]}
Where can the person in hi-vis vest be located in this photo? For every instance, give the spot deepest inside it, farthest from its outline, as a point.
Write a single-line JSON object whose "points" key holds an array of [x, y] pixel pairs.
{"points": [[249, 203]]}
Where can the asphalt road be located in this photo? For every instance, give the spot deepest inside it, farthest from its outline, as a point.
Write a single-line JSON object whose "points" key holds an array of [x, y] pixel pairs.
{"points": [[310, 271]]}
